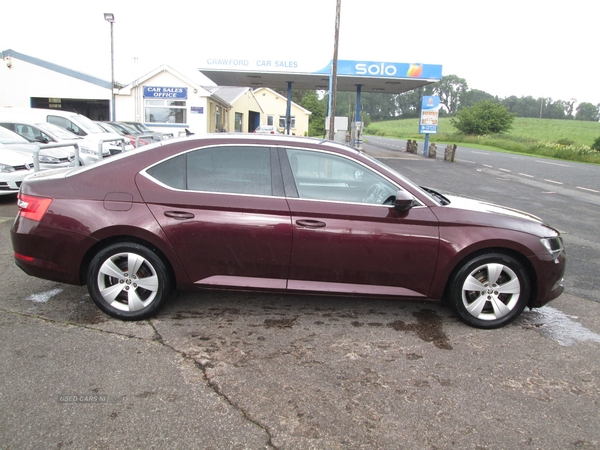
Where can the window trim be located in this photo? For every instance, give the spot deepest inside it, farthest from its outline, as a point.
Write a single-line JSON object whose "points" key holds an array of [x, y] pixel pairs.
{"points": [[277, 188]]}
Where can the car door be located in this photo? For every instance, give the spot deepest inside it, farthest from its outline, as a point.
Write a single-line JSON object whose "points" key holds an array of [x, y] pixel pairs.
{"points": [[345, 239], [223, 210]]}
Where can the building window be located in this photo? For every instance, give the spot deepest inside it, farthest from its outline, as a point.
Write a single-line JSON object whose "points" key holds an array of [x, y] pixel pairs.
{"points": [[239, 119], [270, 120], [165, 111], [282, 122]]}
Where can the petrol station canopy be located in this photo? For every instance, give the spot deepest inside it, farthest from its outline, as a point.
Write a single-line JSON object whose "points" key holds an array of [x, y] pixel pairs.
{"points": [[371, 76]]}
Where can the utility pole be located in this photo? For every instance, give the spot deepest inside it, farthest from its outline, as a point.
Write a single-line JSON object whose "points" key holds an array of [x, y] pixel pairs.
{"points": [[333, 90]]}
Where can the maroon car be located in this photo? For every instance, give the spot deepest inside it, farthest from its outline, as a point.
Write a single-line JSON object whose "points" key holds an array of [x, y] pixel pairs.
{"points": [[277, 213]]}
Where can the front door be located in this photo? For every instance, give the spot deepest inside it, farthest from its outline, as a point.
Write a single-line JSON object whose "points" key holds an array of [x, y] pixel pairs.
{"points": [[347, 238]]}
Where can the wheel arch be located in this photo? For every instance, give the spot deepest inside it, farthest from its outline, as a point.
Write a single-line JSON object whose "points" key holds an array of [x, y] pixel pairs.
{"points": [[466, 256], [123, 238]]}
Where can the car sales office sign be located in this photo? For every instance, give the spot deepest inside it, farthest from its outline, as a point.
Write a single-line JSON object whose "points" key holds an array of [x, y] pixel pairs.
{"points": [[165, 92], [430, 108]]}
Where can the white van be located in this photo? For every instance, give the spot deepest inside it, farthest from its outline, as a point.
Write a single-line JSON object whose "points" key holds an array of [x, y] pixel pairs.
{"points": [[76, 124]]}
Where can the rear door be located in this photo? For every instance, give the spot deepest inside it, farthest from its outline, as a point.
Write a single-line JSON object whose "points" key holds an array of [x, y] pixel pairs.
{"points": [[224, 212]]}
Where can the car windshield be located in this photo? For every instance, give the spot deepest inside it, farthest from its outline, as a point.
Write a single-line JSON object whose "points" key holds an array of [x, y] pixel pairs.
{"points": [[139, 126], [8, 137], [57, 131]]}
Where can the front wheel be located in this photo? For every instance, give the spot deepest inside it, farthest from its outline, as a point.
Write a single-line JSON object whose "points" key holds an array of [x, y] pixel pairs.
{"points": [[490, 291], [128, 281]]}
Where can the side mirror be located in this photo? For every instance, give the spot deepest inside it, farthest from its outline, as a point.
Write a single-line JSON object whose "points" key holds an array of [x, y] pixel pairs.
{"points": [[404, 201]]}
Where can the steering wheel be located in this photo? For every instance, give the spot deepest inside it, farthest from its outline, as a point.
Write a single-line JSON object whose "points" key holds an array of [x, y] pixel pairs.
{"points": [[376, 194]]}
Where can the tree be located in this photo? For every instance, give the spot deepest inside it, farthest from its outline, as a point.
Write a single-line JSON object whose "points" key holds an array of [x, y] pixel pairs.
{"points": [[587, 111], [472, 96], [409, 103], [486, 117], [318, 108], [524, 106], [450, 90]]}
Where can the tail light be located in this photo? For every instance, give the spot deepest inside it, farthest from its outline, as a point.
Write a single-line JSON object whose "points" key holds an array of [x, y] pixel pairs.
{"points": [[32, 207]]}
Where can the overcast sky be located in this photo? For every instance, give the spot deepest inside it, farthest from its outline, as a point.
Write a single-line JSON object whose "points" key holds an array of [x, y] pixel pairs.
{"points": [[526, 47]]}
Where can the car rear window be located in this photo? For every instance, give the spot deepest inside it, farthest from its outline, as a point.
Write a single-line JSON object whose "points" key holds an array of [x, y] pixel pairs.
{"points": [[236, 169]]}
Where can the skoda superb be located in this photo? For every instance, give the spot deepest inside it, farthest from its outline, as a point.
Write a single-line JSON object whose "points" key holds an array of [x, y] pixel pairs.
{"points": [[277, 213]]}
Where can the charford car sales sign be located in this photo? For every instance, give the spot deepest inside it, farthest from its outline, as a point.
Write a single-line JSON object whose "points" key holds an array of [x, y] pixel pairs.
{"points": [[165, 92]]}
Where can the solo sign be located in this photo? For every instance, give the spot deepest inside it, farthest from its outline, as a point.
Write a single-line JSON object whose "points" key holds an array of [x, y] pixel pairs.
{"points": [[430, 108], [165, 92]]}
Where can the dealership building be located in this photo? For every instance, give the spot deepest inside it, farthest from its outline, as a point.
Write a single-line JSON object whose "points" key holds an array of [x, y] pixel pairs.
{"points": [[164, 99], [240, 96]]}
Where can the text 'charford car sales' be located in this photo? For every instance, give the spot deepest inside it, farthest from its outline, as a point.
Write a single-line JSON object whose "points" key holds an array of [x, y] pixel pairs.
{"points": [[257, 63]]}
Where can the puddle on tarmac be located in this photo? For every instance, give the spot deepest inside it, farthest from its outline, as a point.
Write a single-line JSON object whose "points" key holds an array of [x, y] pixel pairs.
{"points": [[43, 297], [558, 326]]}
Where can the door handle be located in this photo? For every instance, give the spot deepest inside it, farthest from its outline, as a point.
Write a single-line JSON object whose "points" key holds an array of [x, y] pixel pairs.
{"points": [[308, 223], [179, 215]]}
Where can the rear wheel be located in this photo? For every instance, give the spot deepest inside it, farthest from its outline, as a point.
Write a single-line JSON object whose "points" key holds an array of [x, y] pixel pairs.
{"points": [[490, 291], [128, 281]]}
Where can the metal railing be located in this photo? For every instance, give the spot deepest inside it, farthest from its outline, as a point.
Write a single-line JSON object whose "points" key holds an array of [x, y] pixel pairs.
{"points": [[142, 136], [101, 141], [38, 147]]}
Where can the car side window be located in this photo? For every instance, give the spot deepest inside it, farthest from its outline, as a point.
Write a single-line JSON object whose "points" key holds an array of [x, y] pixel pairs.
{"points": [[235, 170], [324, 176]]}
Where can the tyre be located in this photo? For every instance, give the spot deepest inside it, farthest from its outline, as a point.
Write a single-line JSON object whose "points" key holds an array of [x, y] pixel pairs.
{"points": [[490, 290], [128, 281]]}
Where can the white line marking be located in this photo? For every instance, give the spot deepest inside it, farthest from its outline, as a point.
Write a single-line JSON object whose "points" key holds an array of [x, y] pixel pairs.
{"points": [[526, 175], [491, 167], [480, 153], [587, 189], [461, 160], [552, 181], [553, 164], [505, 170]]}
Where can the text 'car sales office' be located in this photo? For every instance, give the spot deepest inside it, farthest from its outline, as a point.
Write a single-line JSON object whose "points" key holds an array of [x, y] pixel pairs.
{"points": [[223, 94]]}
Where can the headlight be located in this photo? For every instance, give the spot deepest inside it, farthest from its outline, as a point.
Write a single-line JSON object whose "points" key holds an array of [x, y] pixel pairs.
{"points": [[88, 151], [48, 159], [554, 245], [5, 168]]}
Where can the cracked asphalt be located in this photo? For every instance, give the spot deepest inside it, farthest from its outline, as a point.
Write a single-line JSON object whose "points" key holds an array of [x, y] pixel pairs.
{"points": [[219, 370]]}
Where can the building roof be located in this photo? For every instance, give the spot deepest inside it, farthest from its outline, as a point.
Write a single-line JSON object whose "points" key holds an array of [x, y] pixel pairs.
{"points": [[228, 93], [55, 68]]}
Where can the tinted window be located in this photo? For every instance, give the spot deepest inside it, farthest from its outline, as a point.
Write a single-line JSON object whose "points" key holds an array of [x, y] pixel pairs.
{"points": [[170, 172], [236, 170], [324, 176]]}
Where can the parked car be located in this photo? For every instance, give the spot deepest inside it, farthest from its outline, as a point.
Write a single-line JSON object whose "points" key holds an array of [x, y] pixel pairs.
{"points": [[49, 158], [75, 123], [130, 135], [14, 167], [46, 133], [284, 214], [143, 129], [266, 129]]}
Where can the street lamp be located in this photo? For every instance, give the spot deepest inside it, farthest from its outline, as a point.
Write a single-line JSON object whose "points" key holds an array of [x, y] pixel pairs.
{"points": [[110, 17]]}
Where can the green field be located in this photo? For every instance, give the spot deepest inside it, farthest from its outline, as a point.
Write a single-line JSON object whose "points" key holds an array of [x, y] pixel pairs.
{"points": [[562, 139]]}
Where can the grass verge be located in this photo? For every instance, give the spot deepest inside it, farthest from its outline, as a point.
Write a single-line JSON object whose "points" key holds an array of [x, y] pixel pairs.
{"points": [[561, 139]]}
